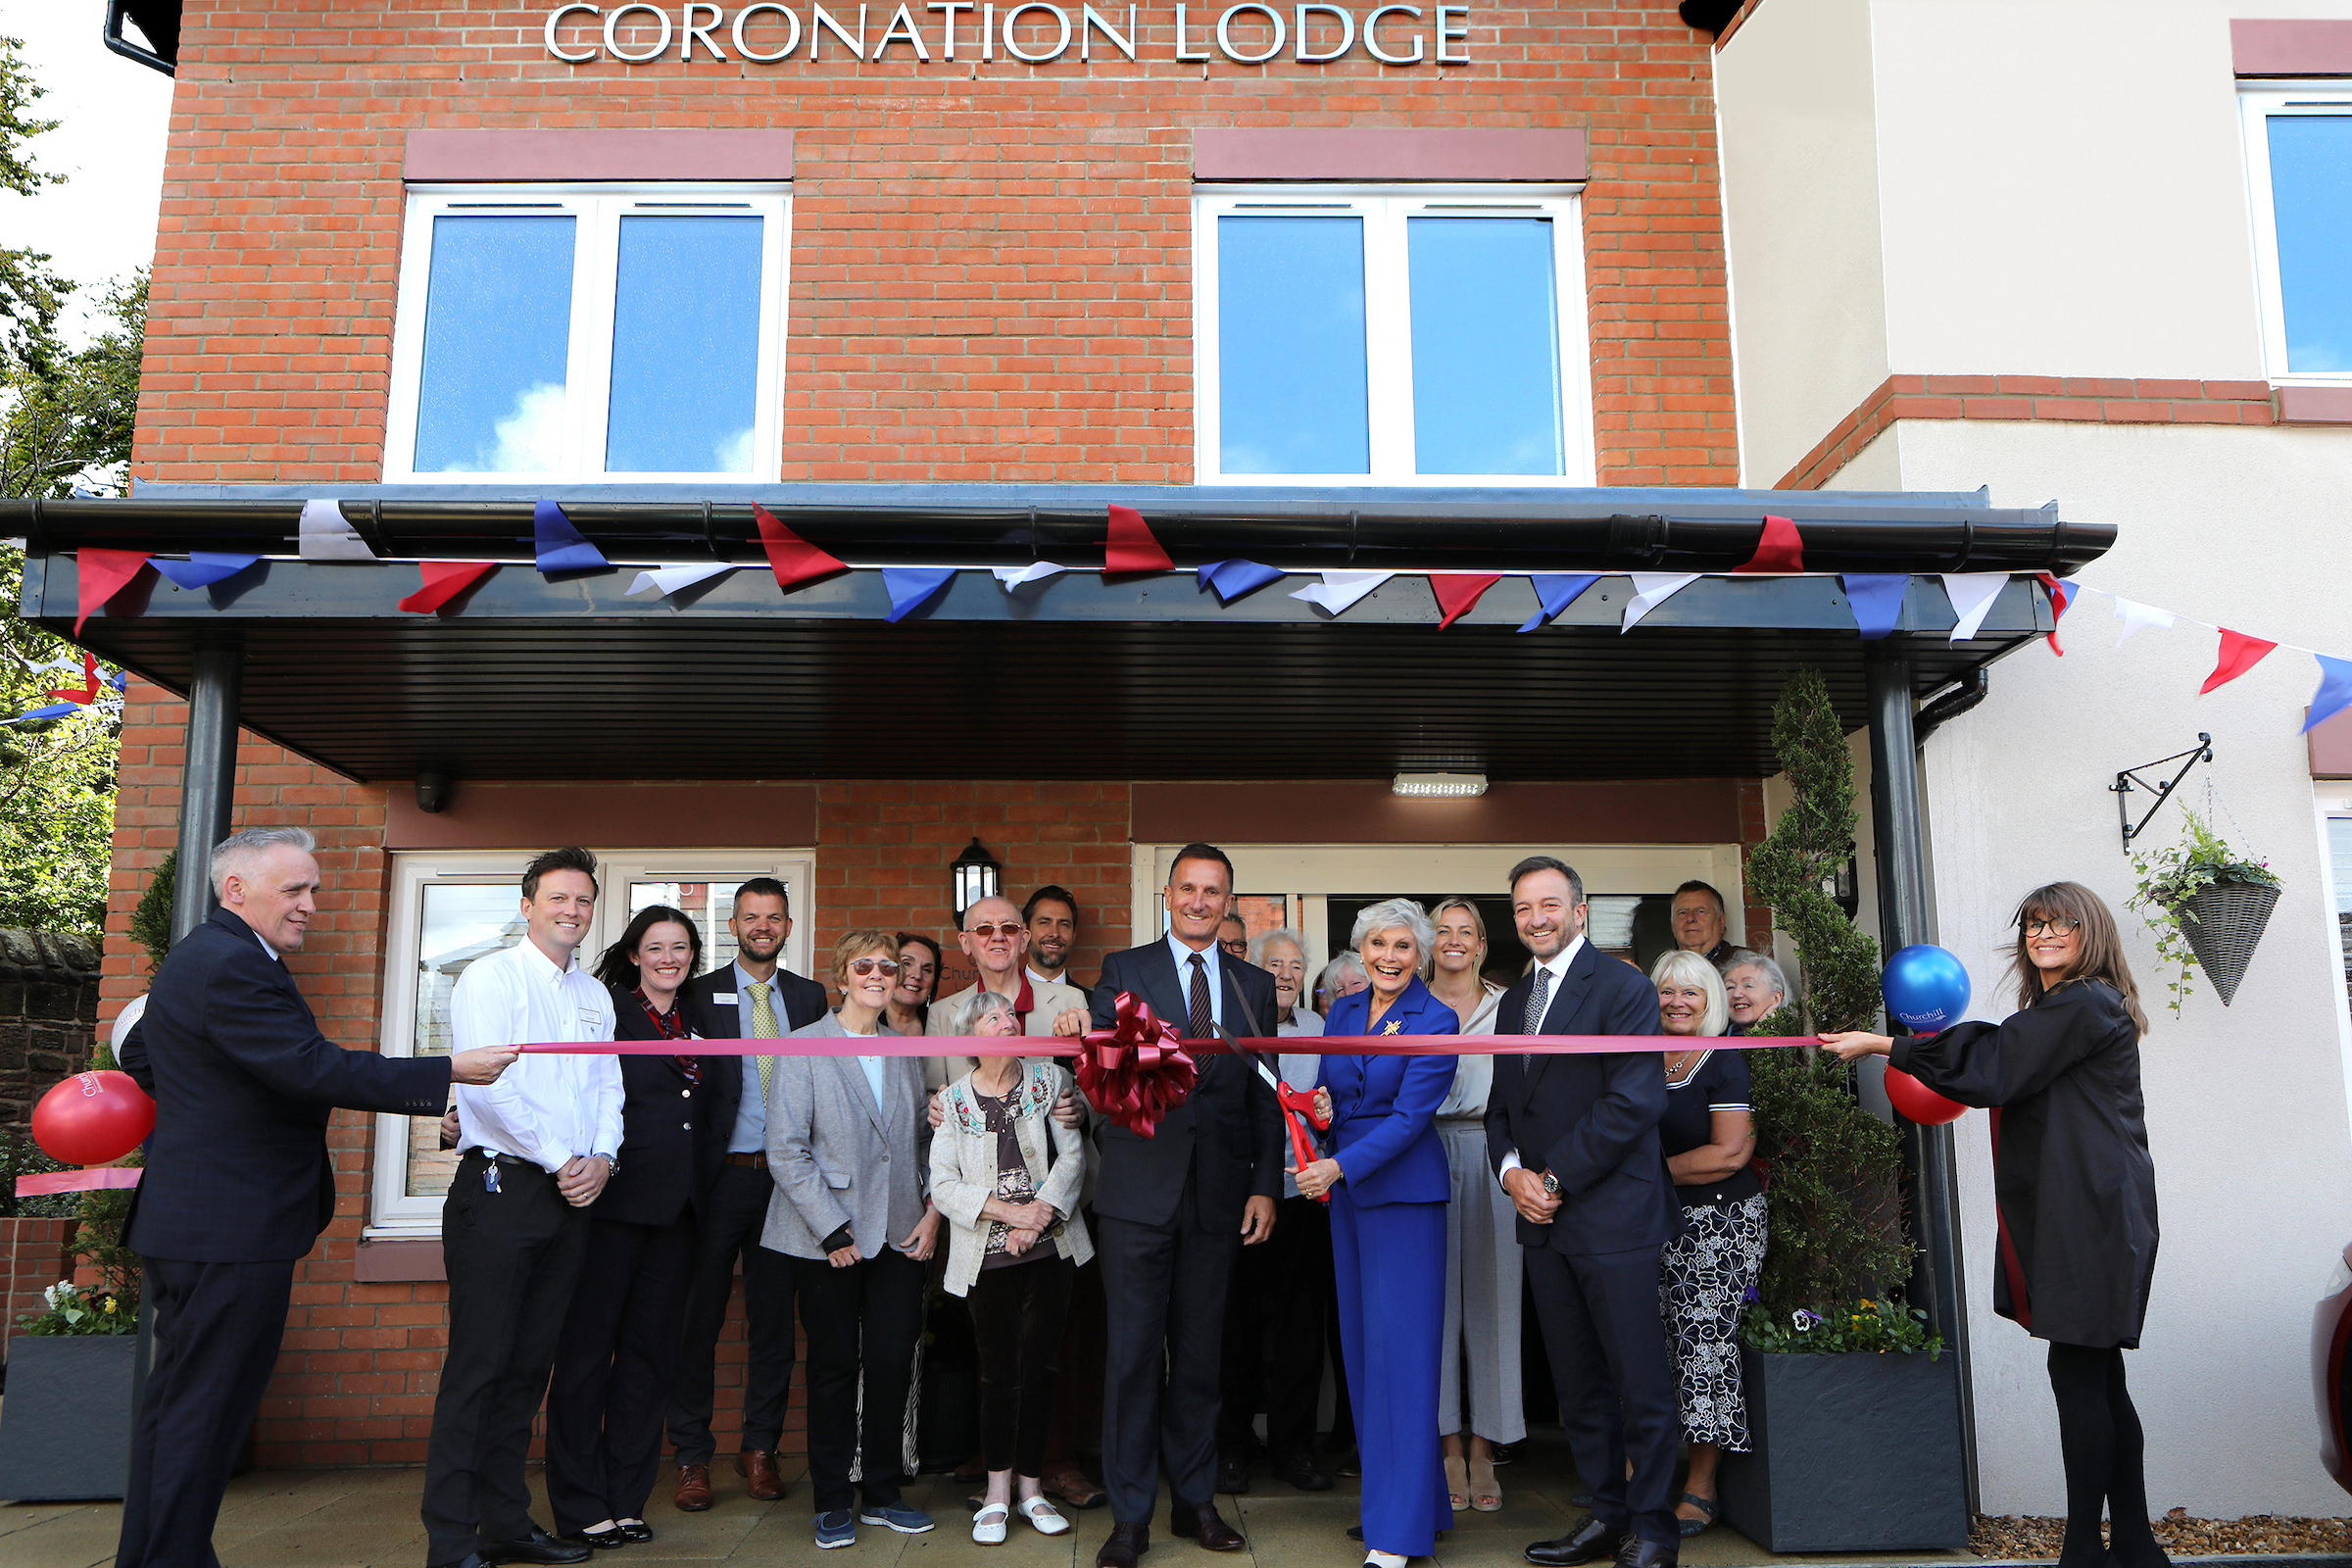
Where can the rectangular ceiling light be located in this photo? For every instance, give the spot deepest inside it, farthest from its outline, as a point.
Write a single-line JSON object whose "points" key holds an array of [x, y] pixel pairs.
{"points": [[1439, 784]]}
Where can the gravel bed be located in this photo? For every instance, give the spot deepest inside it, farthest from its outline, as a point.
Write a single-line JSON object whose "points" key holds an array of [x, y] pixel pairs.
{"points": [[2035, 1536]]}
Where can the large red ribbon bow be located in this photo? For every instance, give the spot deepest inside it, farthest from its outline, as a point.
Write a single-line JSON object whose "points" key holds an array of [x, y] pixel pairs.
{"points": [[1138, 1072]]}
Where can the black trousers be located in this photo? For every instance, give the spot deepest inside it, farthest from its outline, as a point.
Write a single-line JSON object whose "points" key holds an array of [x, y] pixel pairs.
{"points": [[615, 1367], [1281, 1293], [1078, 1384], [730, 1229], [861, 1319], [2102, 1447], [1620, 1397], [1018, 1314], [1163, 1289], [217, 1332], [512, 1257]]}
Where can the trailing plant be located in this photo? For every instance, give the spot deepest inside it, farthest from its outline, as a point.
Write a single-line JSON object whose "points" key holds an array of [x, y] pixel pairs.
{"points": [[1834, 1193], [1864, 1324], [2168, 879]]}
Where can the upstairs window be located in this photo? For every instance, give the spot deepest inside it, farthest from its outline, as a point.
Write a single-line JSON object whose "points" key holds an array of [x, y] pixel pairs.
{"points": [[2299, 157], [1390, 338], [580, 333]]}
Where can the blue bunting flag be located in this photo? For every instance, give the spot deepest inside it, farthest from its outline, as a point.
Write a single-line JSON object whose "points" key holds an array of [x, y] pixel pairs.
{"points": [[1557, 590], [203, 567], [1234, 579], [560, 546], [911, 586], [1877, 599]]}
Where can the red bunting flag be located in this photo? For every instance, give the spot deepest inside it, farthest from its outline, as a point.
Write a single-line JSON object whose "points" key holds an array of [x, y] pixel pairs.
{"points": [[2239, 654], [443, 581], [102, 574], [1132, 547], [1458, 591], [1781, 549], [2062, 596], [792, 559], [88, 691]]}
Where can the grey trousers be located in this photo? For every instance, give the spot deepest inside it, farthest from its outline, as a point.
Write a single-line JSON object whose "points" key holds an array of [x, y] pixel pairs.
{"points": [[1484, 1263]]}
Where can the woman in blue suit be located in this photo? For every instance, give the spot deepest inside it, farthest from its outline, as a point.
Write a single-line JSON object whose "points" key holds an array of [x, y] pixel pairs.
{"points": [[1388, 1185]]}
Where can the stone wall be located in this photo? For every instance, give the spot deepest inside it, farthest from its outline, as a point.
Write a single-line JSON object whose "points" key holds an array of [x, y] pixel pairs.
{"points": [[48, 1015]]}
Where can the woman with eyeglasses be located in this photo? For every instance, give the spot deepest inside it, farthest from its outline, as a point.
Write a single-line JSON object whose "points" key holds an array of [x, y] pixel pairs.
{"points": [[2074, 1188], [619, 1355], [849, 1146]]}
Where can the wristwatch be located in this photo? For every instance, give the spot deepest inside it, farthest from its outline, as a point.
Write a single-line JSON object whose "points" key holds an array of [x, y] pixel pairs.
{"points": [[1552, 1185]]}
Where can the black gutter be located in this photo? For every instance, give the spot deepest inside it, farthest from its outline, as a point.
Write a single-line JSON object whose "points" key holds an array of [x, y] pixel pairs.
{"points": [[159, 19], [1390, 535]]}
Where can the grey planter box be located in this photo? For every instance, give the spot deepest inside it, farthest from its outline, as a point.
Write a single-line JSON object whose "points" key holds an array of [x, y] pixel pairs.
{"points": [[1853, 1452], [65, 1426]]}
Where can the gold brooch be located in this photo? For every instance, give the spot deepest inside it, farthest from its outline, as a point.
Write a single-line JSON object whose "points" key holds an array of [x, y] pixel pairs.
{"points": [[1394, 1027]]}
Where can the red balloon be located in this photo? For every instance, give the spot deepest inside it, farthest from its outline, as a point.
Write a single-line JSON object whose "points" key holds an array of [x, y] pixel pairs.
{"points": [[92, 1118], [1917, 1102]]}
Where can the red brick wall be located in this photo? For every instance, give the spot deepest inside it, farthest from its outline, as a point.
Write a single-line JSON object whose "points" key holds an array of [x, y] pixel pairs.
{"points": [[991, 264]]}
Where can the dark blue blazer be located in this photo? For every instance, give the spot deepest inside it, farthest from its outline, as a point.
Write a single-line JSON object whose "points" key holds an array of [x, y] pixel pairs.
{"points": [[237, 1168], [1383, 1108], [669, 1152], [1591, 1121]]}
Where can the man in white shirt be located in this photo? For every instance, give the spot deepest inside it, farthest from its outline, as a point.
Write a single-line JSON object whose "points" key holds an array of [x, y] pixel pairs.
{"points": [[538, 1146], [1052, 916]]}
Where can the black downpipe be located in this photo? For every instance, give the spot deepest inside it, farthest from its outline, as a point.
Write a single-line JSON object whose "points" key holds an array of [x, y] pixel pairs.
{"points": [[159, 19], [1971, 689]]}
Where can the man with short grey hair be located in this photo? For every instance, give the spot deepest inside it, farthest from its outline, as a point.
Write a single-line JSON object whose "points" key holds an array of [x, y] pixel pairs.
{"points": [[238, 1182]]}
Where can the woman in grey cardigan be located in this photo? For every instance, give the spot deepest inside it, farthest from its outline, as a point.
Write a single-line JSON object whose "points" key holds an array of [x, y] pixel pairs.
{"points": [[848, 1146], [1007, 1175]]}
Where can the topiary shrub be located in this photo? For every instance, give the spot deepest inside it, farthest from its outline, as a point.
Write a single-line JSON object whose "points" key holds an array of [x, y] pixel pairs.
{"points": [[151, 921]]}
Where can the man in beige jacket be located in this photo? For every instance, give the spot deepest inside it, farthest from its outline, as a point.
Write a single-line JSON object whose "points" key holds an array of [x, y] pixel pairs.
{"points": [[998, 944]]}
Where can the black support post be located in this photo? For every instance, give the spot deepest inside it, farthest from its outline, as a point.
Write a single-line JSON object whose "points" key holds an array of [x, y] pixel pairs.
{"points": [[1906, 916], [207, 780]]}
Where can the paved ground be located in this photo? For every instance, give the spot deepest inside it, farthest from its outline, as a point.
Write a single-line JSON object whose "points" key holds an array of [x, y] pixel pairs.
{"points": [[361, 1518]]}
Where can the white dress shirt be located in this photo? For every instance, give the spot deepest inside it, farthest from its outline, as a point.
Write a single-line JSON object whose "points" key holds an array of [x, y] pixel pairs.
{"points": [[1184, 981], [1557, 965], [547, 1108]]}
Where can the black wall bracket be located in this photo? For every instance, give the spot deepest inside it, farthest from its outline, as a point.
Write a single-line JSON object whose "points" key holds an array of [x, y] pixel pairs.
{"points": [[2202, 752]]}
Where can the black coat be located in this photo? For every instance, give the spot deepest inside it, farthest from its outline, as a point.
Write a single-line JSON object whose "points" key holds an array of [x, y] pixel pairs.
{"points": [[1591, 1121], [1228, 1134], [2073, 1183], [804, 1003], [244, 1083], [668, 1157]]}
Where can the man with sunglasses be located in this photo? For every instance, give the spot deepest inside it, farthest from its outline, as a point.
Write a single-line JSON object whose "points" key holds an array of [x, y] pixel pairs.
{"points": [[753, 998], [998, 941]]}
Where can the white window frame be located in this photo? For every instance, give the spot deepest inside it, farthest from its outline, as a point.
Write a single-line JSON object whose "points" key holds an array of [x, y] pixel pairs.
{"points": [[597, 210], [392, 1212], [2257, 106], [2332, 800], [1388, 304]]}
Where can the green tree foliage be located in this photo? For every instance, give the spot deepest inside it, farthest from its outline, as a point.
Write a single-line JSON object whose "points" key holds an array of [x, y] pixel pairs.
{"points": [[66, 419], [1835, 1199]]}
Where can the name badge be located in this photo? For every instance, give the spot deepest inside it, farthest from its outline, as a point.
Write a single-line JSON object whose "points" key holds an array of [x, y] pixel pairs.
{"points": [[726, 999], [590, 1020]]}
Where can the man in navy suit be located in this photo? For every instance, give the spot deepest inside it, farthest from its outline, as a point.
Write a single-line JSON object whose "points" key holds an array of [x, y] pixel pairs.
{"points": [[238, 1182], [1170, 1209], [1574, 1141]]}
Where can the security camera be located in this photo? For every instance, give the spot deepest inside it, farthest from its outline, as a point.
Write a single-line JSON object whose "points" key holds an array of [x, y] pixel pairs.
{"points": [[432, 791]]}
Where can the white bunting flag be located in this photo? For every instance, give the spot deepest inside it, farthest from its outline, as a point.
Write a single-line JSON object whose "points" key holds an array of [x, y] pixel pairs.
{"points": [[1650, 590], [2137, 616], [669, 579], [1972, 594], [1340, 589], [1021, 576], [326, 536]]}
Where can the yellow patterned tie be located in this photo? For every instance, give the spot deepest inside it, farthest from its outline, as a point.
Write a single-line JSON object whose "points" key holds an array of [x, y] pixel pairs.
{"points": [[763, 1027]]}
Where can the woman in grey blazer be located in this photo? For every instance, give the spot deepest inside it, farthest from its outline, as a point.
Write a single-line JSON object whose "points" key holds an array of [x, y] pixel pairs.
{"points": [[849, 1146]]}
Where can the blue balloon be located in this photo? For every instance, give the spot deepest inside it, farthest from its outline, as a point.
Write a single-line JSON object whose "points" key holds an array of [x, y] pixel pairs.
{"points": [[1926, 987]]}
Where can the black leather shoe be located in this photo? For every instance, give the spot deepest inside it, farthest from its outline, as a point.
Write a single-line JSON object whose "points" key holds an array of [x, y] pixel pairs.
{"points": [[1126, 1543], [1200, 1522], [1356, 1532], [1233, 1475], [635, 1530], [540, 1546], [1588, 1542], [1635, 1552], [604, 1540], [1301, 1471]]}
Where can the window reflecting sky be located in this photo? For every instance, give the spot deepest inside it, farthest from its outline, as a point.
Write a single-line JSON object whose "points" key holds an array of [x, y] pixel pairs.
{"points": [[1291, 383], [496, 335], [1486, 382], [685, 346], [2311, 187]]}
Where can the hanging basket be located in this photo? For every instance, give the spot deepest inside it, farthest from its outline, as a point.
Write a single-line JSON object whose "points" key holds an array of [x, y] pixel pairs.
{"points": [[2224, 921]]}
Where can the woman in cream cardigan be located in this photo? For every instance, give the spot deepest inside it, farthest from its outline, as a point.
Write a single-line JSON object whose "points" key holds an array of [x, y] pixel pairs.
{"points": [[1007, 1176]]}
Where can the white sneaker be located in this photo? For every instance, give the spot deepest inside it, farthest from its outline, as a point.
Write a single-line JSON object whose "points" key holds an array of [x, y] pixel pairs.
{"points": [[1043, 1514], [988, 1525]]}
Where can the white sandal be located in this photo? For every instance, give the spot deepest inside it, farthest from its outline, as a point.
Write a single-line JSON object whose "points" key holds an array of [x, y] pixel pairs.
{"points": [[989, 1531], [1043, 1514]]}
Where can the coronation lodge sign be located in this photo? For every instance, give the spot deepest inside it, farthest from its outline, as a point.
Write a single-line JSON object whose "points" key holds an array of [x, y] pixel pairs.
{"points": [[1029, 30]]}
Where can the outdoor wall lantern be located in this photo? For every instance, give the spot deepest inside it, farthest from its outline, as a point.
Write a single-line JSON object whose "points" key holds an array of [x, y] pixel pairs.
{"points": [[976, 874]]}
